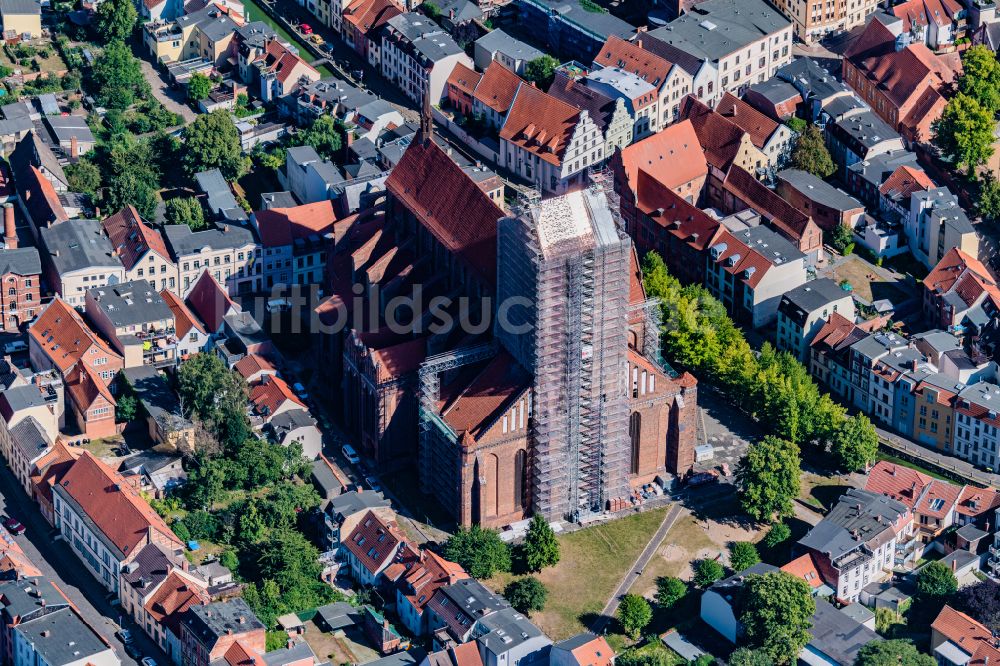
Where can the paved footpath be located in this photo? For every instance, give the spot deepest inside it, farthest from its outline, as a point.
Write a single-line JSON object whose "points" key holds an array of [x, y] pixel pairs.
{"points": [[633, 573]]}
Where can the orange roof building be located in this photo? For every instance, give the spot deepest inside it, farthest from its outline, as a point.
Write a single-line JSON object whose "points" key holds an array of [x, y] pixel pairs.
{"points": [[281, 71], [957, 638], [672, 157], [371, 547], [582, 650], [139, 247], [272, 396], [956, 287], [59, 339]]}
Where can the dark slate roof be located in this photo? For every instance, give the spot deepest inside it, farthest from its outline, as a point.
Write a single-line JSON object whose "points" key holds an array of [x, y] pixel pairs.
{"points": [[32, 151], [29, 437], [20, 261], [835, 534], [845, 105], [215, 186], [598, 24], [211, 622], [23, 597], [183, 241], [837, 635], [775, 90], [299, 651], [878, 168], [255, 33], [810, 297], [402, 658], [866, 129], [8, 7], [819, 190], [737, 24], [65, 128], [290, 420], [808, 76], [338, 615], [131, 303], [61, 637], [505, 630], [354, 502], [147, 569], [81, 244], [425, 36]]}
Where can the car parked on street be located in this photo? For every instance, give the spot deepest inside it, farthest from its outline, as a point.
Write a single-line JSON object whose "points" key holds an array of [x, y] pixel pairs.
{"points": [[14, 526], [351, 455]]}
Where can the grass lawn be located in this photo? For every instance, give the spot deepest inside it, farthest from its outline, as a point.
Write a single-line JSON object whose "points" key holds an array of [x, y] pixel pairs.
{"points": [[103, 448], [820, 491], [54, 63], [912, 465], [592, 563], [856, 270], [687, 535]]}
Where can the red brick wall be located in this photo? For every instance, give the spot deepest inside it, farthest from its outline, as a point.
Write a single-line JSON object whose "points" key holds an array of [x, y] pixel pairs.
{"points": [[25, 302]]}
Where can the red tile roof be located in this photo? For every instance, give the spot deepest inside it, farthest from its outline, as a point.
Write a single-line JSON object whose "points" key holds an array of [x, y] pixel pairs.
{"points": [[720, 139], [116, 508], [746, 259], [919, 12], [938, 499], [428, 183], [280, 227], [368, 16], [253, 364], [957, 270], [804, 567], [464, 78], [975, 501], [595, 652], [282, 62], [497, 87], [173, 598], [239, 654], [631, 57], [789, 220], [902, 484], [184, 319], [970, 636], [540, 124], [487, 397], [836, 329], [673, 156], [429, 573], [686, 222], [132, 238], [270, 394], [397, 360], [50, 468], [750, 120], [904, 181], [374, 541], [85, 387], [64, 337], [42, 199], [209, 301]]}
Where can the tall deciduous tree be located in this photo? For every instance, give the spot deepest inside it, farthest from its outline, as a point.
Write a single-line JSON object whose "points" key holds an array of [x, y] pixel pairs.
{"points": [[526, 594], [747, 657], [117, 76], [669, 591], [187, 211], [131, 175], [541, 549], [897, 652], [980, 78], [777, 614], [541, 71], [768, 478], [855, 444], [964, 132], [115, 20], [83, 176], [707, 571], [198, 87], [743, 555], [479, 550], [216, 395], [982, 602], [634, 614], [935, 581], [213, 142], [810, 153], [325, 135]]}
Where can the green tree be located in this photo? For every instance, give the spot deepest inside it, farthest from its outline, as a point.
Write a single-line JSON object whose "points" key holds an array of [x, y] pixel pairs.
{"points": [[198, 88], [768, 478], [886, 619], [217, 396], [778, 534], [269, 157], [935, 581], [212, 141], [810, 153], [855, 445], [896, 652], [431, 10], [126, 409], [117, 76], [747, 657], [186, 210], [964, 132], [669, 591], [479, 551], [115, 20], [777, 614], [634, 614], [645, 656], [842, 239], [181, 530], [743, 555], [707, 571], [252, 529], [988, 203], [541, 71], [796, 124], [541, 549], [230, 560], [83, 176], [131, 176], [526, 594], [980, 78], [325, 134]]}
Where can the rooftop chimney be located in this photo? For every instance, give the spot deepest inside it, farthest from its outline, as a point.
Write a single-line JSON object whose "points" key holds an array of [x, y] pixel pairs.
{"points": [[74, 147], [9, 227]]}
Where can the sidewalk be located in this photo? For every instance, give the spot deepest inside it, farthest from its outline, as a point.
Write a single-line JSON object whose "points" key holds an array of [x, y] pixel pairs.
{"points": [[948, 465]]}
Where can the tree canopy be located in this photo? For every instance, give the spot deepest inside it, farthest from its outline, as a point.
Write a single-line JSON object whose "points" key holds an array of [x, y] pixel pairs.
{"points": [[634, 613], [669, 591], [117, 76], [895, 652], [131, 174], [980, 77], [541, 548], [526, 594], [83, 176], [541, 71], [213, 142], [198, 87], [743, 555], [187, 211], [981, 601], [936, 581], [217, 396], [768, 478], [707, 571], [964, 132], [479, 551], [115, 20], [855, 445], [777, 614], [810, 153], [324, 134], [747, 657]]}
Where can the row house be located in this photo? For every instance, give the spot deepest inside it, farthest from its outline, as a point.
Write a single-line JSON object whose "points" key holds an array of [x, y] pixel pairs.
{"points": [[772, 138], [141, 249], [959, 640], [363, 22], [30, 418], [60, 339], [726, 45], [371, 547], [295, 242], [936, 224], [830, 355], [673, 157], [90, 403], [425, 575], [137, 321], [209, 633], [804, 311], [829, 206], [903, 85], [815, 21], [547, 142], [670, 81], [250, 41], [418, 56], [206, 35], [959, 292], [855, 543], [105, 520], [610, 114], [228, 253], [77, 257], [279, 70], [20, 278], [936, 23]]}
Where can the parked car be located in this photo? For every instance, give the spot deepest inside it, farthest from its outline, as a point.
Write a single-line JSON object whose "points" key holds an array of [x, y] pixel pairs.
{"points": [[132, 650], [15, 347], [306, 29], [702, 479], [14, 526], [373, 484], [148, 661], [300, 391], [351, 455], [124, 635]]}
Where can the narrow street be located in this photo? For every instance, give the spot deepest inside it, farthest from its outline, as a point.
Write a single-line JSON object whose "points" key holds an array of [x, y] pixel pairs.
{"points": [[59, 564]]}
